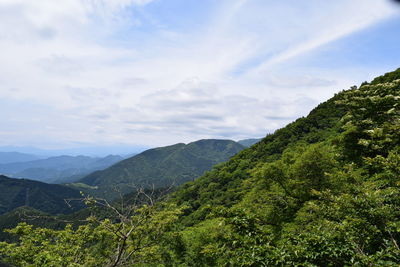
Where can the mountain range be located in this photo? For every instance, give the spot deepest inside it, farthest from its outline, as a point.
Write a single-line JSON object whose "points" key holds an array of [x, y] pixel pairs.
{"points": [[95, 151], [59, 169], [159, 167], [13, 157]]}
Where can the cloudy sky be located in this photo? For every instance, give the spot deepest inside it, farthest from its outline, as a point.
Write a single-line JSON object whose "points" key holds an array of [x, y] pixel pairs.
{"points": [[157, 72]]}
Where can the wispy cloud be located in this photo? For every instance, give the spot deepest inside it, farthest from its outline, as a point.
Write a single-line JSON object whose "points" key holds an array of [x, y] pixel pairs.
{"points": [[128, 71], [350, 18]]}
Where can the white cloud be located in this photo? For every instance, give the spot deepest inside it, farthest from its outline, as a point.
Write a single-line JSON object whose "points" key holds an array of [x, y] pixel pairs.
{"points": [[95, 67]]}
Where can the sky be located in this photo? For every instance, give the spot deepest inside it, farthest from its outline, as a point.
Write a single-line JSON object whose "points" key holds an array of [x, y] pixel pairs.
{"points": [[146, 73]]}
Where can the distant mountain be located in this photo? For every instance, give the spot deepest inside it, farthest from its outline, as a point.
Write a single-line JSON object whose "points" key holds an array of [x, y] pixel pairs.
{"points": [[249, 142], [92, 151], [12, 157], [58, 169], [160, 167], [48, 198]]}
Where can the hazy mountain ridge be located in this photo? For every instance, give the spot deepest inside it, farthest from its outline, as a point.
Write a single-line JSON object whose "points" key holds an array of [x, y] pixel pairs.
{"points": [[249, 142], [13, 157], [91, 151], [58, 169]]}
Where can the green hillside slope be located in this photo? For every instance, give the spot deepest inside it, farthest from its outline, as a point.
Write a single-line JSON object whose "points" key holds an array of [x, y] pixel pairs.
{"points": [[161, 167], [227, 184], [323, 191], [48, 198]]}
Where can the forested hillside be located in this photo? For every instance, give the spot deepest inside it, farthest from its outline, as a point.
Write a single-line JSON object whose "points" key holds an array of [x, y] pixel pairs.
{"points": [[48, 198], [159, 167], [322, 191]]}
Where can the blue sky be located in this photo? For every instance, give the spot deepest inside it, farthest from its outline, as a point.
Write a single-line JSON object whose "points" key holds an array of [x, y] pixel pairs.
{"points": [[155, 72]]}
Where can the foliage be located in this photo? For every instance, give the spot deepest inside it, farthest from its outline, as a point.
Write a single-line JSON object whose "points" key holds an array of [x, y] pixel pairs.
{"points": [[46, 247], [137, 239], [387, 77]]}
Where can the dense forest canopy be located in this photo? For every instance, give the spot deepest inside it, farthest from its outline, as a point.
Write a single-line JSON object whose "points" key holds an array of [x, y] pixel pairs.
{"points": [[322, 191]]}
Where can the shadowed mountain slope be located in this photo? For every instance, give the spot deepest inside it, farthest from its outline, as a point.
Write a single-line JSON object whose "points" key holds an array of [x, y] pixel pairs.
{"points": [[48, 198]]}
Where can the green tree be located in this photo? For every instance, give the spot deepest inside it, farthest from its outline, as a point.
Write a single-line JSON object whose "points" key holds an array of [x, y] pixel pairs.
{"points": [[135, 236]]}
